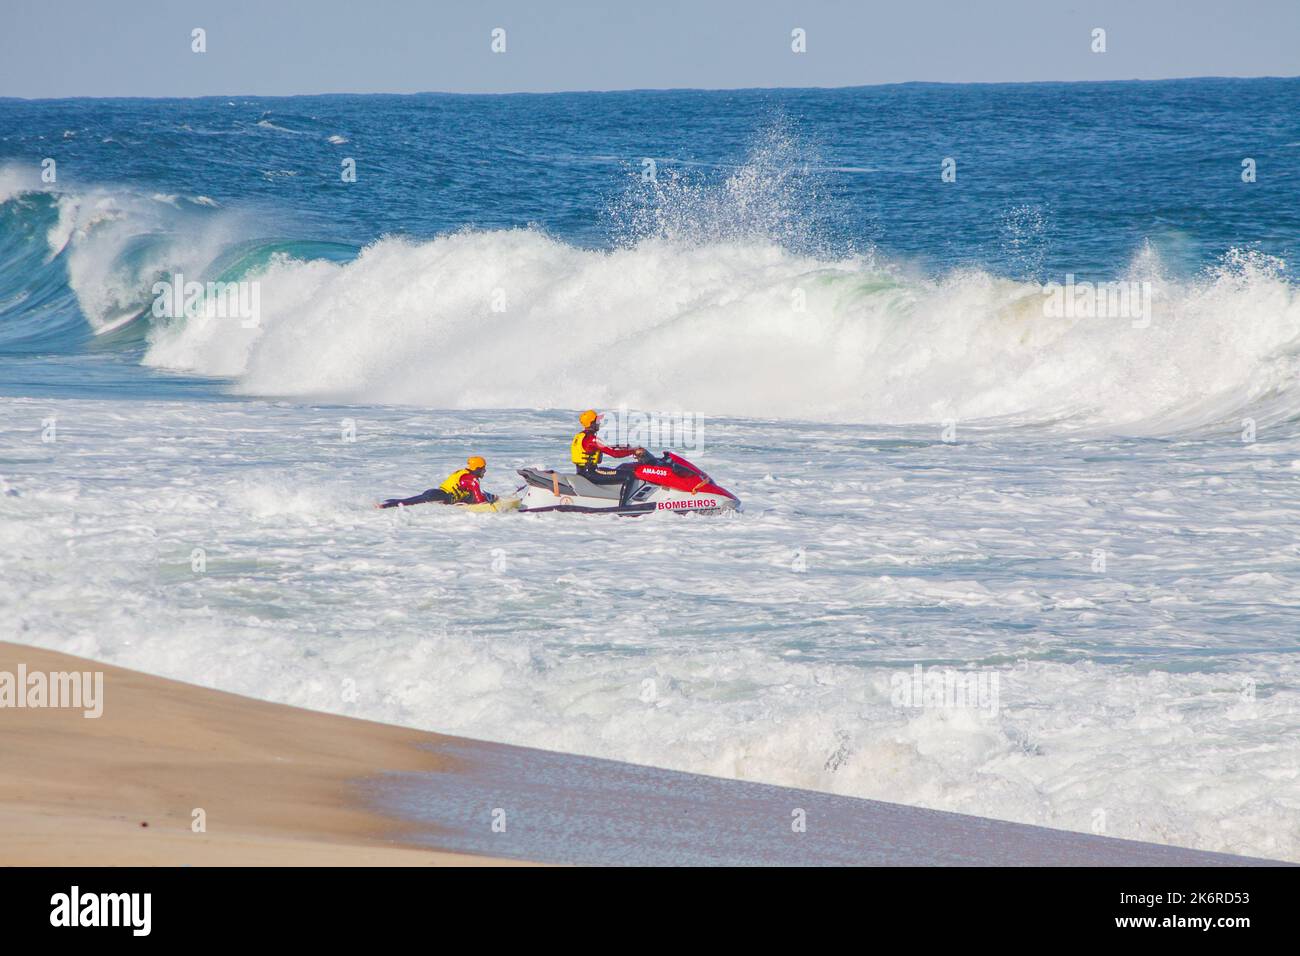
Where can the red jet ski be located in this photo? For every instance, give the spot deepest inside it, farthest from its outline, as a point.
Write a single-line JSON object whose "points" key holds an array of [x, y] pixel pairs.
{"points": [[668, 483]]}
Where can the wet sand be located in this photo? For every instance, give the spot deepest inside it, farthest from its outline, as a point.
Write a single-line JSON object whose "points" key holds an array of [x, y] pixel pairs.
{"points": [[278, 785]]}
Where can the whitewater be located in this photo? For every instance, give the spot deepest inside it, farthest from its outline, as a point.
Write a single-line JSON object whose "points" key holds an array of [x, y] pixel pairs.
{"points": [[936, 472], [727, 320], [745, 330], [234, 545]]}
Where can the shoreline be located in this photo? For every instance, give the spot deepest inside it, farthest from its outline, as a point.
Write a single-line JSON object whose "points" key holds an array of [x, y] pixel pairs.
{"points": [[273, 782], [278, 785]]}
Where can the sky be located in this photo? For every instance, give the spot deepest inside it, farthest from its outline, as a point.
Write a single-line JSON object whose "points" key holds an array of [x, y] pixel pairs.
{"points": [[283, 47]]}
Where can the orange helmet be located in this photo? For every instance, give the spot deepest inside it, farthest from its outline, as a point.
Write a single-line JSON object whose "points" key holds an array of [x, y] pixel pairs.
{"points": [[474, 463], [588, 418]]}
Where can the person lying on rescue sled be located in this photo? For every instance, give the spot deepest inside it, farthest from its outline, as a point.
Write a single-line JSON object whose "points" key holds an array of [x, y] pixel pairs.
{"points": [[461, 487]]}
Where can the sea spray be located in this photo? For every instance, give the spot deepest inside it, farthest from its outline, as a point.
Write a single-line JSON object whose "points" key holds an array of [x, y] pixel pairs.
{"points": [[712, 329]]}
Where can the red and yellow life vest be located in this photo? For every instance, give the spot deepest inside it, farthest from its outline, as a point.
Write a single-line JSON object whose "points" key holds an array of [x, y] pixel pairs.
{"points": [[580, 456], [452, 485]]}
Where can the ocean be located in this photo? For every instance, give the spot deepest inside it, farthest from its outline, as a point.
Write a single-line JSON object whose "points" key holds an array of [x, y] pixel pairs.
{"points": [[846, 303]]}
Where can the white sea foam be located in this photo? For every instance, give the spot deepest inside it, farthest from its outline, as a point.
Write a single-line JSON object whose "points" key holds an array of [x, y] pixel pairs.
{"points": [[1156, 698], [116, 243], [703, 307], [517, 319]]}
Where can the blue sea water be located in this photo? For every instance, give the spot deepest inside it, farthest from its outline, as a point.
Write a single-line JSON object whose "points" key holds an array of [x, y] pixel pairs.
{"points": [[1051, 178], [1100, 510]]}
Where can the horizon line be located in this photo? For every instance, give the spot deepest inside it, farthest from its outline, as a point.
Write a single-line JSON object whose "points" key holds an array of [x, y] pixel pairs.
{"points": [[657, 89]]}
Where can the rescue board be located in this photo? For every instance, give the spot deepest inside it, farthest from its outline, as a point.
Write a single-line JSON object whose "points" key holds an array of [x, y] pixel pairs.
{"points": [[501, 504]]}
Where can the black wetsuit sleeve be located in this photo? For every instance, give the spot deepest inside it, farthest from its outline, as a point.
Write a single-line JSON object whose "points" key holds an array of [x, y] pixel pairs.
{"points": [[433, 494]]}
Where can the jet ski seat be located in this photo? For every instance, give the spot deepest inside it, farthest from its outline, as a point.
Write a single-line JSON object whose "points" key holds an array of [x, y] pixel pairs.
{"points": [[572, 485]]}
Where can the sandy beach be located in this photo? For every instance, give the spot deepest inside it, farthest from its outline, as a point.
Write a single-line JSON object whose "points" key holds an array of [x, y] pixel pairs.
{"points": [[121, 789], [278, 785]]}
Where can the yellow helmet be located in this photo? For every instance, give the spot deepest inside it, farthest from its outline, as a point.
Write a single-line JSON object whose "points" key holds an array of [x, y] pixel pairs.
{"points": [[588, 418], [474, 463]]}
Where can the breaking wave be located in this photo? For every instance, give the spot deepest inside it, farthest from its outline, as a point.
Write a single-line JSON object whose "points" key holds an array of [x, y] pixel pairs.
{"points": [[517, 319], [693, 307]]}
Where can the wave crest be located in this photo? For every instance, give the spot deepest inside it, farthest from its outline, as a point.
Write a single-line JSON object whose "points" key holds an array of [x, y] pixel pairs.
{"points": [[518, 319]]}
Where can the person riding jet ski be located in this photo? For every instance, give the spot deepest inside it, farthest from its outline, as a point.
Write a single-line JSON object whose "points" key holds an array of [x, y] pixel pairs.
{"points": [[460, 487], [667, 483], [586, 452]]}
